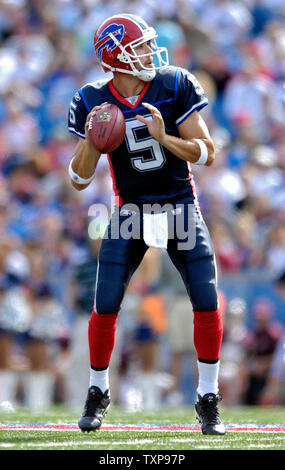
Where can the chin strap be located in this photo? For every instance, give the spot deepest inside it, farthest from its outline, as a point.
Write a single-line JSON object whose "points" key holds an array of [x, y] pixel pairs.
{"points": [[146, 75]]}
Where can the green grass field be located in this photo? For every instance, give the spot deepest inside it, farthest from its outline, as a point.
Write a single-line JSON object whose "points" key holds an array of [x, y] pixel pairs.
{"points": [[50, 439]]}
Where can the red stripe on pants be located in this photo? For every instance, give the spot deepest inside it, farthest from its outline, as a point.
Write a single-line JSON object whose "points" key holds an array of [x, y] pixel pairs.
{"points": [[101, 337], [208, 334]]}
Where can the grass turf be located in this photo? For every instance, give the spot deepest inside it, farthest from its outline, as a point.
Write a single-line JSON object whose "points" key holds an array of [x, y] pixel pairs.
{"points": [[142, 440]]}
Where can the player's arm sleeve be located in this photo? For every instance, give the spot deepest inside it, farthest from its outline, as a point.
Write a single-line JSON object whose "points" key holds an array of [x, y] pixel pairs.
{"points": [[77, 114], [189, 95]]}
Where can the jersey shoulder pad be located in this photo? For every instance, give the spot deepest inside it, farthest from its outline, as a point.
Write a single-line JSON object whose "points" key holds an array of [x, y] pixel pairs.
{"points": [[96, 85], [186, 79], [93, 92], [168, 77]]}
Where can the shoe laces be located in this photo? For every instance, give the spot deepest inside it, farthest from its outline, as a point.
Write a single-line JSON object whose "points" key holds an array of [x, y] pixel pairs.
{"points": [[93, 401], [210, 408]]}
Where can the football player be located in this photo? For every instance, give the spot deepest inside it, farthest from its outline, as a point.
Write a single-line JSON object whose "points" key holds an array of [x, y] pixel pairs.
{"points": [[164, 135]]}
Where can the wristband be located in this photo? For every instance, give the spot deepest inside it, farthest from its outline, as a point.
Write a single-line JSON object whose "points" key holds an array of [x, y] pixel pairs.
{"points": [[203, 152], [76, 178]]}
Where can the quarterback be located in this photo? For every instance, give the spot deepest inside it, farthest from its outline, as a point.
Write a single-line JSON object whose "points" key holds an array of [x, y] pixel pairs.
{"points": [[165, 134]]}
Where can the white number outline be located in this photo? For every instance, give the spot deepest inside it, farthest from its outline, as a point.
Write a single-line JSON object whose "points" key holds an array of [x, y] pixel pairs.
{"points": [[72, 117], [134, 146]]}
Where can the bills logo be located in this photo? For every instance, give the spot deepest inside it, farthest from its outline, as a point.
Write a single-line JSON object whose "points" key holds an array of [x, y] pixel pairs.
{"points": [[109, 44]]}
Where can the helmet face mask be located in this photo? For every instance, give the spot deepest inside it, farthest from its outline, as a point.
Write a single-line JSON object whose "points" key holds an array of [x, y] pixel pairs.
{"points": [[116, 41]]}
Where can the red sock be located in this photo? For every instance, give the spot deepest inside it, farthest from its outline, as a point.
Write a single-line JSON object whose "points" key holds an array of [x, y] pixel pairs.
{"points": [[101, 337], [208, 334]]}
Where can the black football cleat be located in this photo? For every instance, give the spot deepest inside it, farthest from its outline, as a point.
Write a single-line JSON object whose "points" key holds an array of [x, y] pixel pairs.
{"points": [[207, 412], [96, 406]]}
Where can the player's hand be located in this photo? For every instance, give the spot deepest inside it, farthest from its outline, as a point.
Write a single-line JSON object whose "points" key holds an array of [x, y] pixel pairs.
{"points": [[155, 126], [90, 115]]}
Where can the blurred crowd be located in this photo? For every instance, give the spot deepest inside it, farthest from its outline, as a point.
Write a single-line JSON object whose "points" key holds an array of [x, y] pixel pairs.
{"points": [[48, 257]]}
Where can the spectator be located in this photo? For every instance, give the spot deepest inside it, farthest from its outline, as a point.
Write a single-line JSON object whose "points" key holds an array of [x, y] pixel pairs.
{"points": [[275, 257], [226, 20], [84, 278], [273, 393], [179, 331], [229, 258], [151, 324], [233, 372], [274, 390], [260, 346], [251, 94], [42, 348], [15, 319]]}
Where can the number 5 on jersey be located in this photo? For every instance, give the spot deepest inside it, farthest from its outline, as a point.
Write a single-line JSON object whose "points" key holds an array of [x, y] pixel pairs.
{"points": [[148, 145]]}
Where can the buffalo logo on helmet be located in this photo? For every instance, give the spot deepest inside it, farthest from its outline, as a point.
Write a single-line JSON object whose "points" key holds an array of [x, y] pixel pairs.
{"points": [[117, 31]]}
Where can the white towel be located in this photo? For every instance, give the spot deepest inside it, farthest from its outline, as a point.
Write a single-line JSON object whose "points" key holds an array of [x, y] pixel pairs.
{"points": [[155, 230]]}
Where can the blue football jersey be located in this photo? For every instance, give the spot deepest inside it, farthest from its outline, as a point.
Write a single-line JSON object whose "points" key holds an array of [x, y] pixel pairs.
{"points": [[143, 171]]}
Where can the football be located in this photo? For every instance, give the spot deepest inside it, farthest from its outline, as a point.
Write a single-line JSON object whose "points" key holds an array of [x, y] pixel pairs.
{"points": [[107, 128]]}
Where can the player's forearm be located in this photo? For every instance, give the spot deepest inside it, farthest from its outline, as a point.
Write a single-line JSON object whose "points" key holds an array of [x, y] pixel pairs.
{"points": [[84, 163], [188, 150]]}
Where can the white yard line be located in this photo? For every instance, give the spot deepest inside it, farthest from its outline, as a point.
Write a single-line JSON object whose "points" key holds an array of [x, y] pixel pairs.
{"points": [[72, 444]]}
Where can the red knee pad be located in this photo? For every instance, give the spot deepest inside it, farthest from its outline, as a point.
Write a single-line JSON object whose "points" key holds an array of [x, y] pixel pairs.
{"points": [[101, 337], [208, 334]]}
